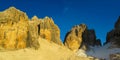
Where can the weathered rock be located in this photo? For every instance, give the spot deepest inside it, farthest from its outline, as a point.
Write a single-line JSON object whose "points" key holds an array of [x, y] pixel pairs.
{"points": [[73, 38], [47, 29], [13, 29], [89, 37], [113, 36], [81, 37], [33, 33]]}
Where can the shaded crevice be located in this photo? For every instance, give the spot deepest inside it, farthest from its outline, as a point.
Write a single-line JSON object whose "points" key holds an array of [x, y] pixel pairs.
{"points": [[38, 29]]}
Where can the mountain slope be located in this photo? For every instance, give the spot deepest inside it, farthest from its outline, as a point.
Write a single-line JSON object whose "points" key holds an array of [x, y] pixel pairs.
{"points": [[47, 51]]}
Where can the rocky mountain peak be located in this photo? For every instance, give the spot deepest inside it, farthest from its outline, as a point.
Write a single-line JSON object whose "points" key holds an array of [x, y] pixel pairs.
{"points": [[12, 14], [34, 18], [47, 29], [113, 36], [81, 37]]}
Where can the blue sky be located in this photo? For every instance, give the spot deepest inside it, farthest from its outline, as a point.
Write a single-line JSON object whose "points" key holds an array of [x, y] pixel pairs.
{"points": [[96, 14]]}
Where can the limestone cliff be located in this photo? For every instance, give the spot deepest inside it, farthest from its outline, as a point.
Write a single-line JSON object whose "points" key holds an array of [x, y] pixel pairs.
{"points": [[73, 38], [13, 29], [18, 31], [47, 29], [81, 37]]}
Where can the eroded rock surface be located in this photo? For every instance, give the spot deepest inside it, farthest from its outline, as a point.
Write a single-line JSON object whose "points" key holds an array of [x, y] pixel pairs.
{"points": [[81, 37], [73, 38], [13, 29], [47, 29]]}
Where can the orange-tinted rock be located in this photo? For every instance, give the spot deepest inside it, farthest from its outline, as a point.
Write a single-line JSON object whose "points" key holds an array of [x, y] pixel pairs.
{"points": [[13, 29], [47, 29], [81, 37], [73, 38]]}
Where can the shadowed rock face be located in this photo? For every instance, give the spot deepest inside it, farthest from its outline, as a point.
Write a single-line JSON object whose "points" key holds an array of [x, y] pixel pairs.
{"points": [[13, 29], [113, 36], [117, 24], [81, 37], [89, 37]]}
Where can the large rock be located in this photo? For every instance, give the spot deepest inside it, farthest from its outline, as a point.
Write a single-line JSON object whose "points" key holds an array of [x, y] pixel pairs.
{"points": [[113, 36], [89, 37], [73, 38], [33, 33], [47, 29], [13, 29], [81, 37]]}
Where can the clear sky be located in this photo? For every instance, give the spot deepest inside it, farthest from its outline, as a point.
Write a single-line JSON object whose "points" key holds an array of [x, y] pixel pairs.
{"points": [[96, 14]]}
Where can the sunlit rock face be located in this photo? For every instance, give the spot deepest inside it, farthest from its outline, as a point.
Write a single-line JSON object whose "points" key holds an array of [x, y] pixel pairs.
{"points": [[33, 33], [73, 38], [113, 36], [81, 37], [13, 29], [47, 29], [17, 31]]}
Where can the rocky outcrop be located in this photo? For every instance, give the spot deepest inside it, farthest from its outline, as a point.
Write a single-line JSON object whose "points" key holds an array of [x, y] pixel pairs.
{"points": [[81, 37], [113, 36], [46, 28], [49, 30], [33, 33], [73, 38], [13, 29], [17, 31], [89, 38]]}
